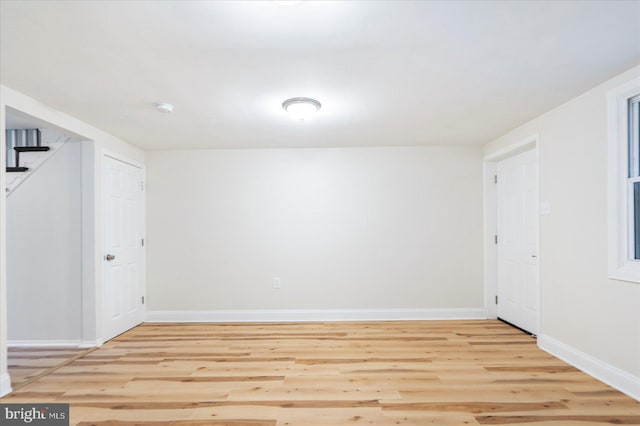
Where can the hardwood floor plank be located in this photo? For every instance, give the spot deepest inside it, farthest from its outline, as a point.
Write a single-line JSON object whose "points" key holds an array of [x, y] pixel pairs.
{"points": [[549, 369], [208, 379], [409, 373], [359, 360], [585, 419], [474, 407]]}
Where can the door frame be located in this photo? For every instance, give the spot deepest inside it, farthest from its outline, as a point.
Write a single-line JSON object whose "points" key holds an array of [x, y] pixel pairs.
{"points": [[490, 163], [100, 234]]}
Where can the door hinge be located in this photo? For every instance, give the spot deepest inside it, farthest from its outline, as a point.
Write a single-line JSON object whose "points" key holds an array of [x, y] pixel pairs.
{"points": [[495, 239], [143, 300], [495, 178], [142, 242], [496, 299], [142, 185]]}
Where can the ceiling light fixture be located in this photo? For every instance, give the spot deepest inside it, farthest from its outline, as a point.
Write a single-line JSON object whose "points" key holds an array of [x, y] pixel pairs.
{"points": [[163, 107], [301, 108]]}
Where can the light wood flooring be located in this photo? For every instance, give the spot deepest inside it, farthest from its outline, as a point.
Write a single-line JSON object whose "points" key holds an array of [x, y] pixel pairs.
{"points": [[328, 374], [26, 364]]}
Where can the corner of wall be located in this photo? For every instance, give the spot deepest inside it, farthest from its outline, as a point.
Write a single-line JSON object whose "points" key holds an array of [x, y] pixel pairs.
{"points": [[5, 385]]}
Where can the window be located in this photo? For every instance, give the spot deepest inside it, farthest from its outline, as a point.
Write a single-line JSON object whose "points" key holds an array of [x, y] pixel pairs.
{"points": [[624, 181]]}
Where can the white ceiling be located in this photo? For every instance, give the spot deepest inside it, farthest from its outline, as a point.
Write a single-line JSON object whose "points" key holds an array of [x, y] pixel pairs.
{"points": [[386, 72]]}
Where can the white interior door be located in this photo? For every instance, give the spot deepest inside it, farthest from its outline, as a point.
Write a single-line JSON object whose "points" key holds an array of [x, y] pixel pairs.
{"points": [[517, 224], [123, 281]]}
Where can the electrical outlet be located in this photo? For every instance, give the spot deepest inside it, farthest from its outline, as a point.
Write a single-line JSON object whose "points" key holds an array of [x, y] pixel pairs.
{"points": [[277, 283]]}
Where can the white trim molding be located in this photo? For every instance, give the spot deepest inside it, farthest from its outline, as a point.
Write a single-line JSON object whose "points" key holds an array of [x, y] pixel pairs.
{"points": [[123, 158], [612, 376], [5, 385], [304, 315], [515, 148], [620, 265], [91, 343], [45, 344]]}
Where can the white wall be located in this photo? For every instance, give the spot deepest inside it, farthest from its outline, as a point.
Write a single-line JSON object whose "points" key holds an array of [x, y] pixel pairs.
{"points": [[582, 311], [5, 379], [44, 251], [344, 228]]}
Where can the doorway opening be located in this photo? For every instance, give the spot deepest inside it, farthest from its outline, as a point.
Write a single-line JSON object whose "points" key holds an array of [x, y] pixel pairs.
{"points": [[44, 241]]}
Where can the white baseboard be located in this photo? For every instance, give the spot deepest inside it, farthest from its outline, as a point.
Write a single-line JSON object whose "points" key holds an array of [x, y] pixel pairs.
{"points": [[305, 315], [5, 385], [613, 376], [91, 343], [45, 343]]}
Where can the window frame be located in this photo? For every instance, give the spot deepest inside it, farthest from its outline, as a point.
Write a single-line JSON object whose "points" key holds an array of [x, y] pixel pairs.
{"points": [[622, 265]]}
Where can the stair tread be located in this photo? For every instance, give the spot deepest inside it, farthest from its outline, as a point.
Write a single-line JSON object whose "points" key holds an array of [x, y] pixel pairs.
{"points": [[16, 169], [31, 148]]}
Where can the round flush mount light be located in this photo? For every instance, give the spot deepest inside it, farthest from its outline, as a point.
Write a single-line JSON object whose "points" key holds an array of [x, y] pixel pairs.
{"points": [[163, 107], [301, 108]]}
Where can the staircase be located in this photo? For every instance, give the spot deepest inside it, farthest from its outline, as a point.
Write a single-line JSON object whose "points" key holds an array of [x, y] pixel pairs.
{"points": [[27, 150]]}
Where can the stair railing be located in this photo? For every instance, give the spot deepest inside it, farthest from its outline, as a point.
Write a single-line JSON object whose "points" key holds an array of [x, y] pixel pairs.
{"points": [[22, 140]]}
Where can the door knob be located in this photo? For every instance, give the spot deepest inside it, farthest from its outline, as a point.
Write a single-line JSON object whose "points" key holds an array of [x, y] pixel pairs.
{"points": [[109, 257]]}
